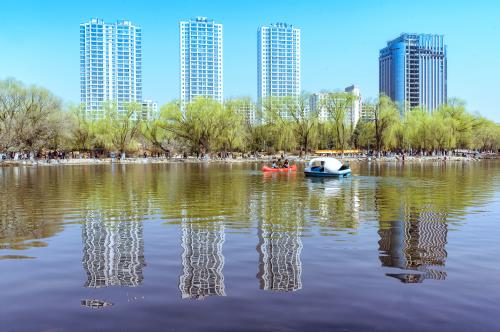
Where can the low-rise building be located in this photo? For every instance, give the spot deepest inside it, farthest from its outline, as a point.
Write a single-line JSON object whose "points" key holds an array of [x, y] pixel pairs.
{"points": [[317, 100], [149, 109]]}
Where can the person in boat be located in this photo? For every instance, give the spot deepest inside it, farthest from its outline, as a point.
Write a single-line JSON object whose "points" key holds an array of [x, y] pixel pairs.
{"points": [[274, 164], [280, 163], [286, 164]]}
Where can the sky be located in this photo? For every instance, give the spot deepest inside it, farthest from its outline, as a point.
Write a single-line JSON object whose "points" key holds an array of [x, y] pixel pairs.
{"points": [[39, 42]]}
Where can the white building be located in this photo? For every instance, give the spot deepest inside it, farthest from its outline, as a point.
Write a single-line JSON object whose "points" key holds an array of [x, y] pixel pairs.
{"points": [[355, 111], [110, 64], [278, 61], [368, 113], [201, 60], [316, 101], [149, 109], [245, 107]]}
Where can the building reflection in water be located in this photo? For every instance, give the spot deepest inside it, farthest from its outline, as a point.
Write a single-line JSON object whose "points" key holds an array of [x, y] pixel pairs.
{"points": [[202, 260], [279, 251], [113, 253], [417, 244]]}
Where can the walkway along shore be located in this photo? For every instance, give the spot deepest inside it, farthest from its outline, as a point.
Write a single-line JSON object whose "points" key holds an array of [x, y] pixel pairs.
{"points": [[266, 159]]}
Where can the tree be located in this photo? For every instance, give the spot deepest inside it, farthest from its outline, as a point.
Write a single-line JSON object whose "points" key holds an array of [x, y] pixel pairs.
{"points": [[30, 117], [119, 129], [364, 135], [459, 122], [291, 117], [305, 122], [200, 127], [83, 129], [385, 116], [338, 105], [155, 134], [237, 124], [278, 124]]}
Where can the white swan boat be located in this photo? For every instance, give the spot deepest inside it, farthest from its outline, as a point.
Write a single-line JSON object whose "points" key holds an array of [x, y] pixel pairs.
{"points": [[327, 167]]}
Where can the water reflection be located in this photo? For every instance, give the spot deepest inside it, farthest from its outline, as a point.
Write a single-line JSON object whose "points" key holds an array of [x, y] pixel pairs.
{"points": [[279, 251], [113, 251], [202, 260], [25, 218], [415, 243], [280, 219], [413, 207]]}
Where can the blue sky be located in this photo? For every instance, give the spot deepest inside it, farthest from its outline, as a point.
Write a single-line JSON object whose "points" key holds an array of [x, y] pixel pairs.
{"points": [[39, 42]]}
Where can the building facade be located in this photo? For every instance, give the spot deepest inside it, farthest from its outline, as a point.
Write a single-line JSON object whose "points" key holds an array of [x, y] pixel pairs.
{"points": [[355, 110], [278, 61], [201, 67], [367, 113], [110, 64], [413, 71], [316, 103], [149, 109]]}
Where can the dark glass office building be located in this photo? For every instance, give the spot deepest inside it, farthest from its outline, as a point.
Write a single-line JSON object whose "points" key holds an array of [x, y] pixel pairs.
{"points": [[413, 71]]}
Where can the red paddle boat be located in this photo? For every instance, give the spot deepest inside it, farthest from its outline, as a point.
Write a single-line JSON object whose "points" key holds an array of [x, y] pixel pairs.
{"points": [[292, 168]]}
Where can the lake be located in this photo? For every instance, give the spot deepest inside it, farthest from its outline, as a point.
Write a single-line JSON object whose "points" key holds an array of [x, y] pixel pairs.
{"points": [[224, 247]]}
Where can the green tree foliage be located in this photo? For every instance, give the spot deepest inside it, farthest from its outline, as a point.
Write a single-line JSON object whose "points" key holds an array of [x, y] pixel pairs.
{"points": [[83, 129], [292, 123], [386, 117], [155, 134], [337, 106], [236, 124], [120, 129], [278, 123], [30, 118], [204, 126]]}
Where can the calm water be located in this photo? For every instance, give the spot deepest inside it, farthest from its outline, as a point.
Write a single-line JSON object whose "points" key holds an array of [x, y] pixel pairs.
{"points": [[226, 248]]}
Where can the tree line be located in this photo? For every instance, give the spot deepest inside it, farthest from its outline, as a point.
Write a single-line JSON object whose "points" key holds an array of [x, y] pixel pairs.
{"points": [[33, 120]]}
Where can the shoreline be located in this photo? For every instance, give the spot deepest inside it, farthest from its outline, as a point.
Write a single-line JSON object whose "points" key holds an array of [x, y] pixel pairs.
{"points": [[294, 159]]}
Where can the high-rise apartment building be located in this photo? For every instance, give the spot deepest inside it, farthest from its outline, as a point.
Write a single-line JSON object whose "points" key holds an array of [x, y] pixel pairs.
{"points": [[110, 64], [278, 61], [413, 71], [201, 60]]}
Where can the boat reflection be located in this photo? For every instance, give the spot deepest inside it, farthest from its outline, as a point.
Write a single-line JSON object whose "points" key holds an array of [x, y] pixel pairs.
{"points": [[329, 187]]}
